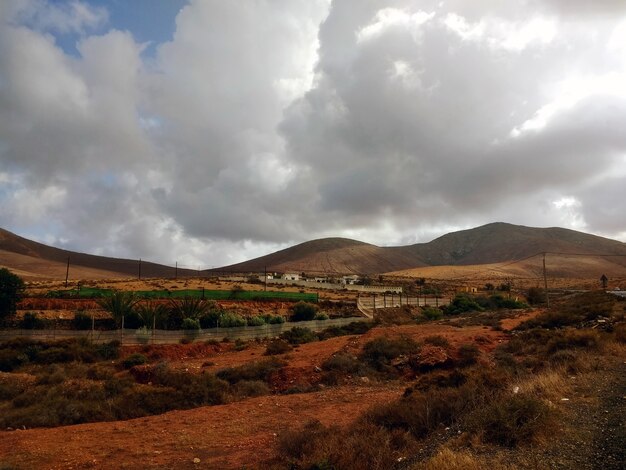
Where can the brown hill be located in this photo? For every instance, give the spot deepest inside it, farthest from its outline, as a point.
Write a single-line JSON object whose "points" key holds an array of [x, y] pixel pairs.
{"points": [[492, 243], [35, 260], [331, 256]]}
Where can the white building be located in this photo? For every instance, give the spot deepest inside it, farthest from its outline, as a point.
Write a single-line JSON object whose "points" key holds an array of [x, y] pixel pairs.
{"points": [[290, 277], [350, 280]]}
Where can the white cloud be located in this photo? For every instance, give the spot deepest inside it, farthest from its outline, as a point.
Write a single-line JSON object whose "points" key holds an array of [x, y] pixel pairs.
{"points": [[268, 123]]}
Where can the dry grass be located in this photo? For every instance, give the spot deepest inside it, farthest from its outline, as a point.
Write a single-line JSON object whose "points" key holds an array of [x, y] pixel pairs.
{"points": [[447, 459], [550, 385]]}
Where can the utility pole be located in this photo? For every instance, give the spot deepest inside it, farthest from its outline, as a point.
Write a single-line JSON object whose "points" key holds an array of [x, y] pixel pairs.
{"points": [[139, 268], [265, 278], [67, 271], [545, 280], [176, 271]]}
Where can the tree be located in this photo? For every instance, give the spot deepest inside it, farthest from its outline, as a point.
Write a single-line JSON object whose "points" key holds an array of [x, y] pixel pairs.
{"points": [[119, 304], [304, 311], [11, 290], [153, 314], [189, 307]]}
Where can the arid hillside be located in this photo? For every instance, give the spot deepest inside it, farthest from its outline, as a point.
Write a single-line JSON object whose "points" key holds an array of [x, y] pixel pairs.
{"points": [[31, 259], [496, 244], [489, 244]]}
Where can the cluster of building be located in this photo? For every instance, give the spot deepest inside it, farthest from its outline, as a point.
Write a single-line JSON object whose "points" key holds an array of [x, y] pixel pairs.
{"points": [[344, 280]]}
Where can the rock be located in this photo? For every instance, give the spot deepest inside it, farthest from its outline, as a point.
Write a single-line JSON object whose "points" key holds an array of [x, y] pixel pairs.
{"points": [[365, 380], [196, 460], [430, 357]]}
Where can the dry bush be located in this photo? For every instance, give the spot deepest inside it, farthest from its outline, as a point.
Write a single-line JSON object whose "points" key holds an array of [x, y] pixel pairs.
{"points": [[467, 354], [619, 333], [437, 340], [511, 420], [261, 370], [360, 446], [551, 385], [251, 388], [420, 413], [379, 352], [277, 346], [447, 459]]}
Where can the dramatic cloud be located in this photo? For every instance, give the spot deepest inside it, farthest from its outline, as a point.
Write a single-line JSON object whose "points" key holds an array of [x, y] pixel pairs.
{"points": [[262, 124]]}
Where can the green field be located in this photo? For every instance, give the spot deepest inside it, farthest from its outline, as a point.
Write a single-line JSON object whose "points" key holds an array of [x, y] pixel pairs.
{"points": [[93, 292]]}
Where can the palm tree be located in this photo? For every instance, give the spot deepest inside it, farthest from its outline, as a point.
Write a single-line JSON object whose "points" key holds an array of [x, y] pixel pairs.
{"points": [[189, 307], [119, 304], [152, 313]]}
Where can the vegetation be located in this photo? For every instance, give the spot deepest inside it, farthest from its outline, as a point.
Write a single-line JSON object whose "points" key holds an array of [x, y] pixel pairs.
{"points": [[463, 303], [119, 304], [11, 290], [203, 294], [277, 346], [304, 311]]}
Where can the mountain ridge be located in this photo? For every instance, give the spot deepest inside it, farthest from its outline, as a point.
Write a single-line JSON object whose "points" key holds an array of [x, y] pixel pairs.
{"points": [[496, 242]]}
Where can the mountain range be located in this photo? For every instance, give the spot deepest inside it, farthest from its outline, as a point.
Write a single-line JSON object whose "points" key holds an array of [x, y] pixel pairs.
{"points": [[485, 245], [492, 243]]}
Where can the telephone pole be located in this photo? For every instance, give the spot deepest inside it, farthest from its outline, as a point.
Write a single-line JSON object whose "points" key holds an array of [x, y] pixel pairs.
{"points": [[67, 271], [139, 268], [545, 280]]}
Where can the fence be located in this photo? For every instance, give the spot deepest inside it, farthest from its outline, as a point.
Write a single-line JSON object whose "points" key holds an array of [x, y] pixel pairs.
{"points": [[134, 337], [367, 305], [94, 292]]}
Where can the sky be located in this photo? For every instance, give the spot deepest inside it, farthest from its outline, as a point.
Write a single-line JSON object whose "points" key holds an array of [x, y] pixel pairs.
{"points": [[209, 132]]}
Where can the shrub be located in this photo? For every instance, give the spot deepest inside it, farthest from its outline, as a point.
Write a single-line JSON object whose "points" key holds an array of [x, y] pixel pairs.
{"points": [[437, 340], [587, 339], [432, 313], [277, 346], [536, 295], [619, 333], [419, 413], [354, 328], [10, 360], [324, 448], [379, 352], [261, 370], [31, 321], [274, 319], [468, 354], [342, 362], [230, 320], [190, 324], [251, 388], [321, 316], [81, 321], [463, 303], [211, 318], [511, 420], [299, 335], [135, 359], [303, 311], [11, 289], [256, 321]]}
